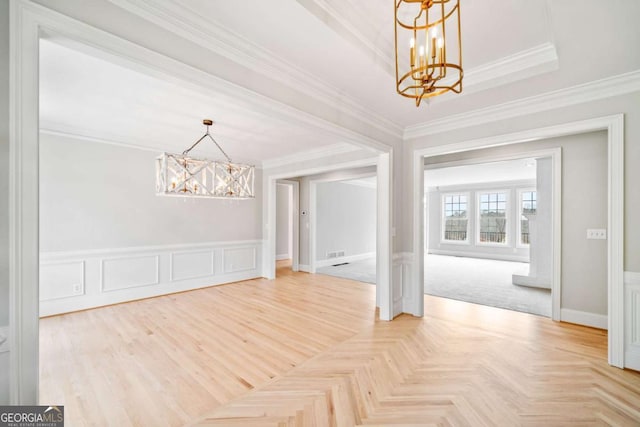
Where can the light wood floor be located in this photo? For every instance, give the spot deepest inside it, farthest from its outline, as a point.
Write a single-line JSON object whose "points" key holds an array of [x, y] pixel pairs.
{"points": [[307, 350]]}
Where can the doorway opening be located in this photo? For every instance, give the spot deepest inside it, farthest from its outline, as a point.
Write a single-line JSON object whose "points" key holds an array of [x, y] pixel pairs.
{"points": [[488, 232], [345, 228], [287, 226]]}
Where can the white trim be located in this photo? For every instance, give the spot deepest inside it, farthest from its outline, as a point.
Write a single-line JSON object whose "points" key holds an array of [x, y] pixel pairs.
{"points": [[283, 257], [591, 91], [519, 192], [313, 203], [160, 276], [305, 268], [343, 259], [23, 206], [108, 252], [521, 65], [313, 154], [483, 255], [584, 318], [215, 37], [631, 278], [614, 125], [295, 213], [269, 180], [481, 185]]}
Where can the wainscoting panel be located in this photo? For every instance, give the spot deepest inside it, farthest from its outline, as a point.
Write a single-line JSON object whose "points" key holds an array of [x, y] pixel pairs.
{"points": [[130, 272], [191, 265], [632, 320], [61, 280], [71, 281], [239, 259], [402, 282]]}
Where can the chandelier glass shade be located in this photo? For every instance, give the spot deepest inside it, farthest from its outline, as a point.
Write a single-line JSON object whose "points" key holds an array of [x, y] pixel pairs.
{"points": [[183, 175], [428, 48]]}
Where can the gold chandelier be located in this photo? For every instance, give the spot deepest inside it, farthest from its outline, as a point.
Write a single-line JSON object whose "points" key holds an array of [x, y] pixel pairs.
{"points": [[183, 175], [431, 63]]}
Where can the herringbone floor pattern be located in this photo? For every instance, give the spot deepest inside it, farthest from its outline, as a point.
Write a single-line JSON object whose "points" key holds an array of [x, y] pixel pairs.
{"points": [[430, 372], [306, 350]]}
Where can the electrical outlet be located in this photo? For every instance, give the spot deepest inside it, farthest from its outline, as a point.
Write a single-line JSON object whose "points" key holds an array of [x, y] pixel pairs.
{"points": [[77, 289], [597, 233]]}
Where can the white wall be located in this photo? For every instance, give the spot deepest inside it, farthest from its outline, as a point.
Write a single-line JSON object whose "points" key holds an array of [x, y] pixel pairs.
{"points": [[105, 236], [4, 190], [511, 251], [584, 205], [305, 202], [97, 196], [345, 219], [284, 195]]}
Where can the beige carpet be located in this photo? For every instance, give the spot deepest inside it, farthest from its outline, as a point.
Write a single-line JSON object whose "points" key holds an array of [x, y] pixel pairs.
{"points": [[480, 281]]}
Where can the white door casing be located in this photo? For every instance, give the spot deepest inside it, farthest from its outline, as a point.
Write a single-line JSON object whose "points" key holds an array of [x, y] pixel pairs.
{"points": [[614, 125]]}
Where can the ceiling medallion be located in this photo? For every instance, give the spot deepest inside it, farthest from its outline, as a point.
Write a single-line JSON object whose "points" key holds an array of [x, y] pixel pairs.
{"points": [[431, 62], [182, 175]]}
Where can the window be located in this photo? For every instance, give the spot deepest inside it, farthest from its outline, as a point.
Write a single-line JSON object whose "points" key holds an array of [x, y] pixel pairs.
{"points": [[455, 219], [528, 204], [492, 212]]}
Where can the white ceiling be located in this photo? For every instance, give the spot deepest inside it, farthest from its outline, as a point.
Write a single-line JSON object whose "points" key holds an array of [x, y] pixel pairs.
{"points": [[329, 58], [510, 170]]}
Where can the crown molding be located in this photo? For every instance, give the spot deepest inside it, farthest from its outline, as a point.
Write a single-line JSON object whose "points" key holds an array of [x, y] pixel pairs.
{"points": [[316, 153], [215, 37], [49, 129], [587, 92], [521, 65]]}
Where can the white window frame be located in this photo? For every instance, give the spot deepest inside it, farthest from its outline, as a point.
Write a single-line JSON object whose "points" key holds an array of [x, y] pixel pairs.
{"points": [[507, 240], [519, 243], [467, 241]]}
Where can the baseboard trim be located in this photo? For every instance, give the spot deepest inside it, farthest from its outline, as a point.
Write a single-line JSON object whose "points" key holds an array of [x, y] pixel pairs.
{"points": [[498, 257], [584, 318], [304, 268], [282, 257], [349, 258]]}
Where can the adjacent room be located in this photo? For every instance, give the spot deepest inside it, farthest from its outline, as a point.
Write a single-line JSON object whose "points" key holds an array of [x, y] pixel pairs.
{"points": [[320, 212], [486, 241]]}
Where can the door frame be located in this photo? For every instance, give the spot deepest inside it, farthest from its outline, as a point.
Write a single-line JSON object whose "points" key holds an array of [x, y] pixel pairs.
{"points": [[384, 251], [294, 212], [614, 125], [313, 219], [556, 210]]}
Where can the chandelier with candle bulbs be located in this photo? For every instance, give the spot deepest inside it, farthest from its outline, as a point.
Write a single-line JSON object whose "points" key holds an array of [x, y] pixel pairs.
{"points": [[428, 48], [183, 175]]}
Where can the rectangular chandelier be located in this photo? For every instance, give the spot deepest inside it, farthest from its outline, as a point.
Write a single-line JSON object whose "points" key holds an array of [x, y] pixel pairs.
{"points": [[182, 175]]}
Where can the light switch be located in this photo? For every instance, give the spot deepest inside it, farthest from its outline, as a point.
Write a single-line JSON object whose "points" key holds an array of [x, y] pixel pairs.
{"points": [[597, 233]]}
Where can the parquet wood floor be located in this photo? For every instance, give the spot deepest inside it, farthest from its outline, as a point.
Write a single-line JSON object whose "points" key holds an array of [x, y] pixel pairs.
{"points": [[307, 350]]}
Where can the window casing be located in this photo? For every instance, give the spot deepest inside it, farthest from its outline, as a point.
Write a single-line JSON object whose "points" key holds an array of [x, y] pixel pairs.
{"points": [[493, 218], [528, 205], [455, 218]]}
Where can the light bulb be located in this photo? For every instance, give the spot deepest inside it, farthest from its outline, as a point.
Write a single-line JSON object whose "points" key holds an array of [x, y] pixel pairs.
{"points": [[434, 32], [421, 50], [412, 42], [440, 42]]}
